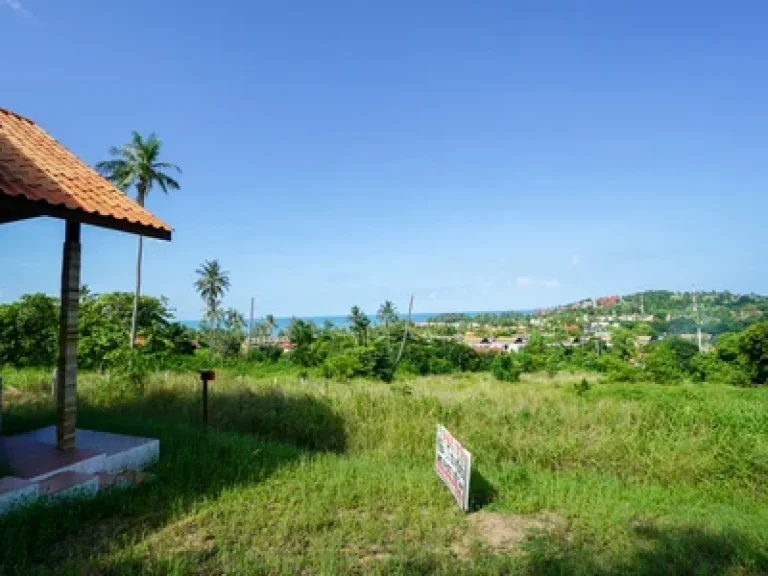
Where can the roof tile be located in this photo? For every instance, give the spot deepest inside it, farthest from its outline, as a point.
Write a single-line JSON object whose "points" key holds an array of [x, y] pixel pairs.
{"points": [[33, 165]]}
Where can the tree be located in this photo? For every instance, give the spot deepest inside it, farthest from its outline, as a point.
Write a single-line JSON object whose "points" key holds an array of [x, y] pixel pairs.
{"points": [[753, 351], [504, 368], [232, 334], [623, 344], [387, 313], [137, 164], [301, 335], [212, 283], [28, 331], [269, 325], [359, 324]]}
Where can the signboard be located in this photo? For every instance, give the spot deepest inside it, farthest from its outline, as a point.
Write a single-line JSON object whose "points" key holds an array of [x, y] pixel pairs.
{"points": [[453, 464]]}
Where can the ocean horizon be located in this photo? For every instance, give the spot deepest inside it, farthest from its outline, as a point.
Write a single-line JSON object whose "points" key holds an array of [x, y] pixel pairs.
{"points": [[342, 321]]}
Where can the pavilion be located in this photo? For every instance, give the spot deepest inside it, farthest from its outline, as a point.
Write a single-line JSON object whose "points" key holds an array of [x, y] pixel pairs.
{"points": [[40, 177]]}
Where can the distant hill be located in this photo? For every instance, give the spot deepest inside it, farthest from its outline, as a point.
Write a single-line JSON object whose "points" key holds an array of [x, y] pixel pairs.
{"points": [[662, 302]]}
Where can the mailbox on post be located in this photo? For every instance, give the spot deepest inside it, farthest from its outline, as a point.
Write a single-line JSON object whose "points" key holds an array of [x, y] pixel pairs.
{"points": [[206, 376]]}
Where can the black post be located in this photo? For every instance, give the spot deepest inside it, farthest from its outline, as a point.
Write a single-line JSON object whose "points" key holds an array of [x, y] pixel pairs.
{"points": [[205, 376], [205, 404]]}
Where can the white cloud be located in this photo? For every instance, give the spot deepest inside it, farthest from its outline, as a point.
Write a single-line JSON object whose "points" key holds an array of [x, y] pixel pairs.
{"points": [[17, 7], [576, 260], [532, 282], [432, 296]]}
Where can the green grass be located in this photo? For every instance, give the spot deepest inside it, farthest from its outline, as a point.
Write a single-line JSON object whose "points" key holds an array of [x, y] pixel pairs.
{"points": [[322, 477]]}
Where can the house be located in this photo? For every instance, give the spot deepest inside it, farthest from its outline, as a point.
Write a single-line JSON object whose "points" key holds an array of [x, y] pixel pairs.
{"points": [[608, 301], [498, 344]]}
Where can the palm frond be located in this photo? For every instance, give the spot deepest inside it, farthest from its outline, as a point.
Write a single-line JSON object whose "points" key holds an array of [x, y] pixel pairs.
{"points": [[136, 164]]}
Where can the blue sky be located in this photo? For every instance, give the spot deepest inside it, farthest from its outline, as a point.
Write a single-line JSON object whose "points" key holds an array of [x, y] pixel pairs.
{"points": [[480, 155]]}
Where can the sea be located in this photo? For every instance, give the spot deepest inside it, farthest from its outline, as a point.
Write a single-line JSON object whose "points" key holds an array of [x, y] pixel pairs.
{"points": [[343, 321]]}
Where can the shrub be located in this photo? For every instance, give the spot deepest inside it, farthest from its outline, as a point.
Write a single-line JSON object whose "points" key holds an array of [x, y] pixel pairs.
{"points": [[342, 366], [617, 370], [581, 387], [505, 368], [132, 367], [266, 353]]}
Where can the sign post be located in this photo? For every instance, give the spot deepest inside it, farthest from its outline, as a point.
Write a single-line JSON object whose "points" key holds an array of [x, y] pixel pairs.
{"points": [[206, 376], [453, 463]]}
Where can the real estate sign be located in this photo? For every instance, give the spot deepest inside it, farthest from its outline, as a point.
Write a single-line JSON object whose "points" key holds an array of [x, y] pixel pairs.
{"points": [[453, 464]]}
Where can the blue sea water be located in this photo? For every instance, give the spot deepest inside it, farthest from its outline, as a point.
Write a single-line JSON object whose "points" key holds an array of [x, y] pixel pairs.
{"points": [[343, 321]]}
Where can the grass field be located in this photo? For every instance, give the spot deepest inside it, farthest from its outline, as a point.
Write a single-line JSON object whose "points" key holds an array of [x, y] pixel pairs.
{"points": [[322, 477]]}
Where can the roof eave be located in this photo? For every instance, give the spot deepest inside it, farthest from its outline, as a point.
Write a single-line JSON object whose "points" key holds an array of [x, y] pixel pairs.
{"points": [[16, 208]]}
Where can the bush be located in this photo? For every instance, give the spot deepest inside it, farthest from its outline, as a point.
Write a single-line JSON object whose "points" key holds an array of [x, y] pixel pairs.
{"points": [[581, 387], [525, 362], [710, 368], [662, 364], [617, 370], [266, 353], [505, 368], [132, 368], [342, 366]]}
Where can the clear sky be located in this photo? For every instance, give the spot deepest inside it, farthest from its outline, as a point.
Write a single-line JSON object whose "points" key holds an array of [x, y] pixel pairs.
{"points": [[480, 155]]}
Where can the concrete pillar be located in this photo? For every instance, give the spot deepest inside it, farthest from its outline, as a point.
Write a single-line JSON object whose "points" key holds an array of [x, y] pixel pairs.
{"points": [[66, 383]]}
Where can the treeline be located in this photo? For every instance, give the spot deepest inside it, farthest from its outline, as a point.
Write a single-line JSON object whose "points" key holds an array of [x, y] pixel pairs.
{"points": [[740, 359], [29, 337], [379, 352], [508, 319], [29, 330]]}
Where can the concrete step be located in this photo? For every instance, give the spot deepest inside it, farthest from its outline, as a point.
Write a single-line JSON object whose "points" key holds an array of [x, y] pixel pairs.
{"points": [[69, 484], [123, 479], [16, 491]]}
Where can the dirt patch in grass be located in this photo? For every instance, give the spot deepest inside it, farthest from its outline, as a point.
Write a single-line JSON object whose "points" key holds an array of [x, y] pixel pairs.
{"points": [[505, 533]]}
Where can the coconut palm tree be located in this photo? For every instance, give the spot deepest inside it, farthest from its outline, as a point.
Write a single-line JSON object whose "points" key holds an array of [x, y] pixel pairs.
{"points": [[387, 313], [137, 164], [212, 283], [270, 324], [359, 324]]}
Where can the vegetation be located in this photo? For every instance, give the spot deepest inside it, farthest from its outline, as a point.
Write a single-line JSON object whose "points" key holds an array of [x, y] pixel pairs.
{"points": [[316, 461], [318, 476], [28, 332], [137, 164]]}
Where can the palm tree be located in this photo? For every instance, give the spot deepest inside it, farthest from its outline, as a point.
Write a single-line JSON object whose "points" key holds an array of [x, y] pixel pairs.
{"points": [[212, 283], [360, 323], [387, 313], [137, 164], [270, 324]]}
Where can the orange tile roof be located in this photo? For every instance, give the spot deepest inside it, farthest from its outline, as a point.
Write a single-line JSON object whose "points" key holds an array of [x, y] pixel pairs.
{"points": [[34, 166]]}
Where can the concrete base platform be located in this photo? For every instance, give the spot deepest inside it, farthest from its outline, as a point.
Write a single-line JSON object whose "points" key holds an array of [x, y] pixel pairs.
{"points": [[16, 491], [35, 460], [99, 459], [69, 485], [120, 452]]}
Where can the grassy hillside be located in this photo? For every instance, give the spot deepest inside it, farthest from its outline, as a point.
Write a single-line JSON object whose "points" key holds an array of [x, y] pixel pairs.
{"points": [[327, 477]]}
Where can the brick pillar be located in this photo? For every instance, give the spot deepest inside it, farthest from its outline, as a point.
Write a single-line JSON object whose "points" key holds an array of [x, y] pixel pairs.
{"points": [[66, 383]]}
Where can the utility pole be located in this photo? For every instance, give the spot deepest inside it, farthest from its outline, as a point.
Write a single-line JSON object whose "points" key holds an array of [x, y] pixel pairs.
{"points": [[698, 318], [250, 327], [642, 306]]}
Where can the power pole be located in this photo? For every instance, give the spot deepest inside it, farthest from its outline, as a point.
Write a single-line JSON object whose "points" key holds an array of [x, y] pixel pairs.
{"points": [[642, 306], [698, 318], [250, 326], [405, 332]]}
